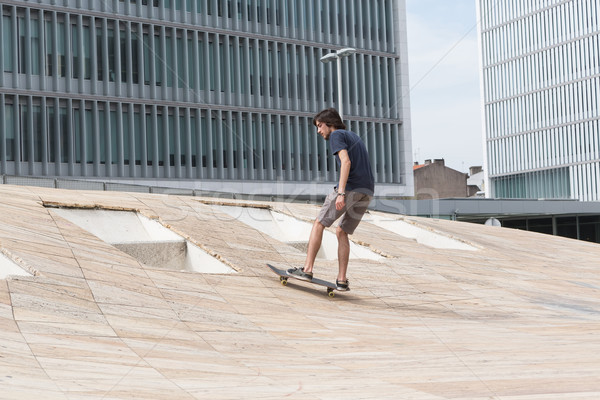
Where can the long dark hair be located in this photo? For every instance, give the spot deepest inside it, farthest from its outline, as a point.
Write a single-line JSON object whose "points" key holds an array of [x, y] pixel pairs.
{"points": [[329, 117]]}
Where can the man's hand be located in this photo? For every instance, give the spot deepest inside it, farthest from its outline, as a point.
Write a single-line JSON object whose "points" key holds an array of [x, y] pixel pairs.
{"points": [[340, 202]]}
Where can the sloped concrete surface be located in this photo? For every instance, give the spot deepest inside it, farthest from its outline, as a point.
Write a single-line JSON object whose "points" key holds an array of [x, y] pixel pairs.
{"points": [[291, 230], [518, 318]]}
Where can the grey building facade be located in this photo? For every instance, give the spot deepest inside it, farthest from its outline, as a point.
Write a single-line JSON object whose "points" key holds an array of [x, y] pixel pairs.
{"points": [[209, 94]]}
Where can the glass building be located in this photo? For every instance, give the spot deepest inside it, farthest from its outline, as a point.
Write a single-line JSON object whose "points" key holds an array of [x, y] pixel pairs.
{"points": [[540, 63], [215, 94]]}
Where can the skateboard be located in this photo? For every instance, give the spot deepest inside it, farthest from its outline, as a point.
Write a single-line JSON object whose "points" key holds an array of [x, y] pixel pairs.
{"points": [[283, 278]]}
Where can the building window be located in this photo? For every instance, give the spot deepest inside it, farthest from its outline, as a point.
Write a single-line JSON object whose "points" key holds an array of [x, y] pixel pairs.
{"points": [[7, 38], [110, 43], [21, 31], [61, 49], [81, 49], [99, 54]]}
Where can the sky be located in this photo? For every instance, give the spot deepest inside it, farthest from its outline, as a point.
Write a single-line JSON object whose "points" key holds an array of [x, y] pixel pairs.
{"points": [[444, 79]]}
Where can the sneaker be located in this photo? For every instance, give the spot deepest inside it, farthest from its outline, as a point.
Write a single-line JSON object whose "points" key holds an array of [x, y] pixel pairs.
{"points": [[300, 274], [342, 285]]}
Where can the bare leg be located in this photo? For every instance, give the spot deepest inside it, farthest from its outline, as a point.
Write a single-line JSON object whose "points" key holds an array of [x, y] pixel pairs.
{"points": [[343, 253], [314, 244]]}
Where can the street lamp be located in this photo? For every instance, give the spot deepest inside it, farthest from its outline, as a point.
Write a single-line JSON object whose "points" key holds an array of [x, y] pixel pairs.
{"points": [[345, 52]]}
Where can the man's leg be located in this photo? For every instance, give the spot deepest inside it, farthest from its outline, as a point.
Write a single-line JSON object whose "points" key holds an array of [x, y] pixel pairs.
{"points": [[314, 244], [356, 206], [327, 215], [343, 253]]}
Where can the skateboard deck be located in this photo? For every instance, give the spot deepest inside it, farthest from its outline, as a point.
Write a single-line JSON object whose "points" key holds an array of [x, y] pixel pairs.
{"points": [[284, 276]]}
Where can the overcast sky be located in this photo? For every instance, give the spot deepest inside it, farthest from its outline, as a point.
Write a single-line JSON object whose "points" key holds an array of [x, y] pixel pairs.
{"points": [[444, 81]]}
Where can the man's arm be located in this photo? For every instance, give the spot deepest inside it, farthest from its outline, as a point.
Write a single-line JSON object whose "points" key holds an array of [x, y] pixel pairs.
{"points": [[344, 172]]}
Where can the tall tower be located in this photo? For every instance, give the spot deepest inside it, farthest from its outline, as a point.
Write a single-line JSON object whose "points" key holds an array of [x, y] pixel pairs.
{"points": [[540, 74], [211, 94]]}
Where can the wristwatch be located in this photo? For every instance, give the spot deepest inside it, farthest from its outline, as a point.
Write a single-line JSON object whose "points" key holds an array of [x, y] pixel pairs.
{"points": [[341, 194]]}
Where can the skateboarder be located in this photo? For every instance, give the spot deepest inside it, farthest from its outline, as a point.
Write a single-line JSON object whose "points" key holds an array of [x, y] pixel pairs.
{"points": [[349, 199]]}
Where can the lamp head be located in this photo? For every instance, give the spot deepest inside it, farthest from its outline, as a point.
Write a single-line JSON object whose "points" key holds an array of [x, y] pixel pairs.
{"points": [[329, 57], [345, 52]]}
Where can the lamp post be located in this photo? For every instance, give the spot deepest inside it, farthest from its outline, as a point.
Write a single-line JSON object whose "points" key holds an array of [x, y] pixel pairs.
{"points": [[345, 52]]}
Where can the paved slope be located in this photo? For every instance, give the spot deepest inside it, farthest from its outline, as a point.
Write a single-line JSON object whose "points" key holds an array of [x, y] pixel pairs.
{"points": [[517, 319]]}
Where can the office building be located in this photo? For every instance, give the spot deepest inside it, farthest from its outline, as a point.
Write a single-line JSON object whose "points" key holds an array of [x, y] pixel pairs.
{"points": [[209, 94], [540, 74]]}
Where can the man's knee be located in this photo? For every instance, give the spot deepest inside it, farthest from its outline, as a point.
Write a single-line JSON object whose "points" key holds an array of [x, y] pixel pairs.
{"points": [[318, 225], [340, 233]]}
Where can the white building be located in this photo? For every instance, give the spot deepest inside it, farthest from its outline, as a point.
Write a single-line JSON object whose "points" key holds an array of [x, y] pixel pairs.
{"points": [[540, 74]]}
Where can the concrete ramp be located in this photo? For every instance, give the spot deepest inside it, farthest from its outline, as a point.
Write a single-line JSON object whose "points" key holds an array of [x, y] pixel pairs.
{"points": [[144, 239], [519, 320], [292, 231]]}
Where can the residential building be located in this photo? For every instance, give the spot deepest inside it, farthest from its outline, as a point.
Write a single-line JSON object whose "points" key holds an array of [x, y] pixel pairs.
{"points": [[209, 94], [433, 180], [540, 74]]}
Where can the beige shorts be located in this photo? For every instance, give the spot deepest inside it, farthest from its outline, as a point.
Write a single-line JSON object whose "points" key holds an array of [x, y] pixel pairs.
{"points": [[355, 208]]}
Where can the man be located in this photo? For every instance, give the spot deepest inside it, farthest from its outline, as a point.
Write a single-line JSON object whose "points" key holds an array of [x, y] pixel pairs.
{"points": [[350, 197]]}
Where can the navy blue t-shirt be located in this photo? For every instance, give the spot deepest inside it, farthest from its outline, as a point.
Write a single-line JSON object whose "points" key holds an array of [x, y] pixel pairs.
{"points": [[360, 178]]}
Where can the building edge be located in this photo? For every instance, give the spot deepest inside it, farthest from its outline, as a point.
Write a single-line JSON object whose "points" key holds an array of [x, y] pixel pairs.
{"points": [[402, 79]]}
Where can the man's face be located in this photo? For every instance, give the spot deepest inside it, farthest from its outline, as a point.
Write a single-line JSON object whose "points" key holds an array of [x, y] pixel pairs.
{"points": [[324, 130]]}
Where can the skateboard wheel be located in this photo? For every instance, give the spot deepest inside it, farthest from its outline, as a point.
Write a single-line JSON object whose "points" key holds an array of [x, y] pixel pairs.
{"points": [[283, 281], [331, 294]]}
